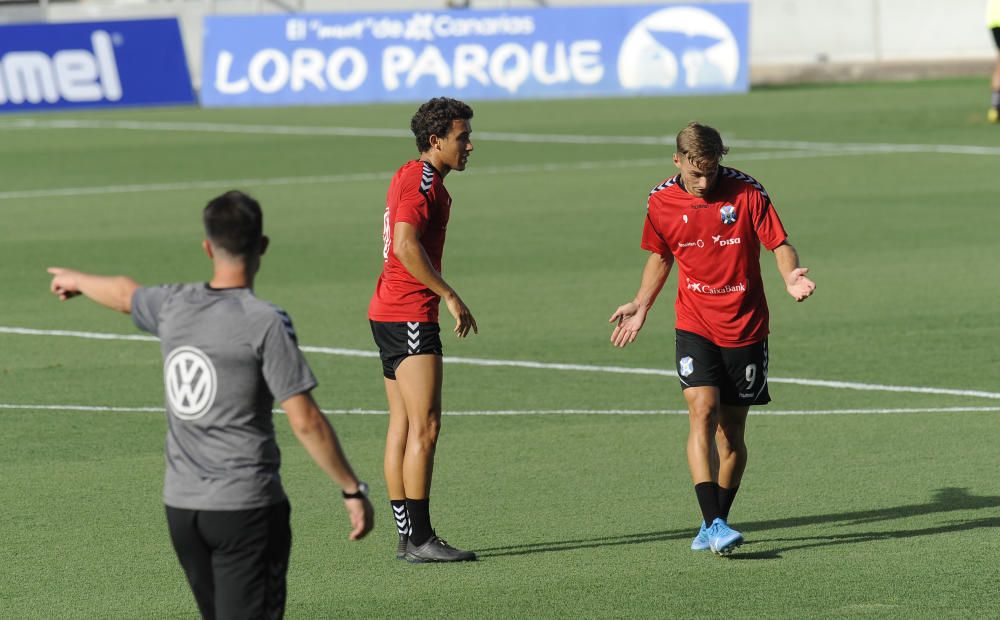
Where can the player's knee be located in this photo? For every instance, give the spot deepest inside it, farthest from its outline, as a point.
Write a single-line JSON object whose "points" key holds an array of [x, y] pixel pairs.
{"points": [[424, 435], [422, 445], [397, 435], [703, 412]]}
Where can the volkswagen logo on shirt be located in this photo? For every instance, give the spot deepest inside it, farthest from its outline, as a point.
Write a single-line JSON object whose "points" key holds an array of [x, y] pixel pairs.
{"points": [[728, 213], [190, 382]]}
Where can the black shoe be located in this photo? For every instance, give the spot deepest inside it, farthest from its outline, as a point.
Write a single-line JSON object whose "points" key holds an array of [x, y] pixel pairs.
{"points": [[401, 547], [436, 550]]}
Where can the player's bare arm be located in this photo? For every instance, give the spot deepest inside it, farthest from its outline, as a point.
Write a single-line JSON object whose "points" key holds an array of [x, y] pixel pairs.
{"points": [[313, 430], [407, 248], [631, 316], [113, 292], [796, 283]]}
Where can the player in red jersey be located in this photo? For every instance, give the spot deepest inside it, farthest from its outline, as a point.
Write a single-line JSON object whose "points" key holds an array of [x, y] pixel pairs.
{"points": [[404, 318], [711, 220]]}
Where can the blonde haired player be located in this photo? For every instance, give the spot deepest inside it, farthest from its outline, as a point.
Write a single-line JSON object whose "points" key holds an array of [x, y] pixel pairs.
{"points": [[711, 220]]}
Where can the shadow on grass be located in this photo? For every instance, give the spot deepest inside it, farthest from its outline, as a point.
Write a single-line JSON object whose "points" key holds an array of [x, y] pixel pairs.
{"points": [[944, 500], [806, 542], [584, 543]]}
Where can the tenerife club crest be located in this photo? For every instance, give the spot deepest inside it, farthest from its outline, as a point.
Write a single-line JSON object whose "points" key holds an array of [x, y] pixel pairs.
{"points": [[679, 48], [190, 382], [686, 366], [728, 214]]}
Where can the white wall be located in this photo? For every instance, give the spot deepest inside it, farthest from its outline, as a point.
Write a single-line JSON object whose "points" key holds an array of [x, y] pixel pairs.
{"points": [[803, 31], [797, 35]]}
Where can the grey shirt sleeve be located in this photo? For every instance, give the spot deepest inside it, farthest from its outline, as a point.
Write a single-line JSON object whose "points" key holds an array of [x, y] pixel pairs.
{"points": [[147, 303], [284, 367]]}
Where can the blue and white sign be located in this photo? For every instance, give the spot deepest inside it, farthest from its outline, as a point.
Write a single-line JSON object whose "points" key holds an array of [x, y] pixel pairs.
{"points": [[469, 54], [93, 64]]}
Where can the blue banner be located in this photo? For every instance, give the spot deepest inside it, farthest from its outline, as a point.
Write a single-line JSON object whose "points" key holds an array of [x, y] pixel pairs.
{"points": [[470, 54], [93, 64]]}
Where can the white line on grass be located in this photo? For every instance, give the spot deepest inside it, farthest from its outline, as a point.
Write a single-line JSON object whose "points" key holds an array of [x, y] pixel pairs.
{"points": [[474, 361], [233, 128], [513, 412], [871, 148], [23, 331], [97, 408], [376, 132], [223, 184], [216, 184]]}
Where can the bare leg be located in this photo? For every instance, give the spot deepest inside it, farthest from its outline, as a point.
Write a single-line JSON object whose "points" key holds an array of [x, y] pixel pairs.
{"points": [[713, 459], [419, 379], [993, 114], [395, 441], [703, 412], [729, 438]]}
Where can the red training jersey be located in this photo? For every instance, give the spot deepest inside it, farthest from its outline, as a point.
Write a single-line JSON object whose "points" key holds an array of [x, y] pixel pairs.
{"points": [[715, 242], [418, 197]]}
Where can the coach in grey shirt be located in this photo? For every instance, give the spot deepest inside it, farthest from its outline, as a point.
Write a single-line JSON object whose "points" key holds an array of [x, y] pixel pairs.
{"points": [[227, 356]]}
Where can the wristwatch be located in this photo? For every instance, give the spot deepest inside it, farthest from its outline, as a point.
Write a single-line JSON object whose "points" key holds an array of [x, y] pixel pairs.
{"points": [[361, 493]]}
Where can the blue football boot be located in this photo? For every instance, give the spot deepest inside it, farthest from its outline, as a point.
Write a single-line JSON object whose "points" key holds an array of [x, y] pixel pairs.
{"points": [[722, 539], [700, 542]]}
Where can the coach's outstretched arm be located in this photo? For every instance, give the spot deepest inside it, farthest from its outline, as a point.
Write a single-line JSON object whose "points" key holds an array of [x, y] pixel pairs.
{"points": [[114, 292], [796, 283], [313, 430], [408, 249], [632, 315]]}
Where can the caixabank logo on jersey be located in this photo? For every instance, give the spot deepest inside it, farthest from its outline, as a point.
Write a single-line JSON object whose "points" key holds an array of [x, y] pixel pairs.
{"points": [[550, 52], [93, 64]]}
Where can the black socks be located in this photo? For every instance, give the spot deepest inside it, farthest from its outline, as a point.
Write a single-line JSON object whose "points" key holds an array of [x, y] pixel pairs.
{"points": [[420, 520], [726, 497], [708, 501], [714, 501], [402, 518]]}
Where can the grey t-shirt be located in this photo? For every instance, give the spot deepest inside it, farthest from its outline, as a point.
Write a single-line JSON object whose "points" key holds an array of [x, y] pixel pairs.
{"points": [[227, 356]]}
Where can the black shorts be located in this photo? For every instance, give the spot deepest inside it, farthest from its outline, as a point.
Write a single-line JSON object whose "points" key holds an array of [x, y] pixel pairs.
{"points": [[236, 561], [398, 341], [996, 35], [740, 373]]}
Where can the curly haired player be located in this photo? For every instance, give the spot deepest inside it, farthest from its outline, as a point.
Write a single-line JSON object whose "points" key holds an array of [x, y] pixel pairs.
{"points": [[404, 319]]}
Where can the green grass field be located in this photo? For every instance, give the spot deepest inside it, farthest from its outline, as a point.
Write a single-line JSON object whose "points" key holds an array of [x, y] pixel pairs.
{"points": [[861, 501]]}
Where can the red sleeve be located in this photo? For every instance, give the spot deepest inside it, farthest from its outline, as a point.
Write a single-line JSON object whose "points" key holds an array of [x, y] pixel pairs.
{"points": [[412, 207], [651, 239], [767, 224]]}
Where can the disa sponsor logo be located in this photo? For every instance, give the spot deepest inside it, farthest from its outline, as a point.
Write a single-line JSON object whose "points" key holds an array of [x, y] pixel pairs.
{"points": [[717, 239]]}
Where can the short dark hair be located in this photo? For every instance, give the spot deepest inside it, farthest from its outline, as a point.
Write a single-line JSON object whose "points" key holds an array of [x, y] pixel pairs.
{"points": [[435, 118], [234, 223]]}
